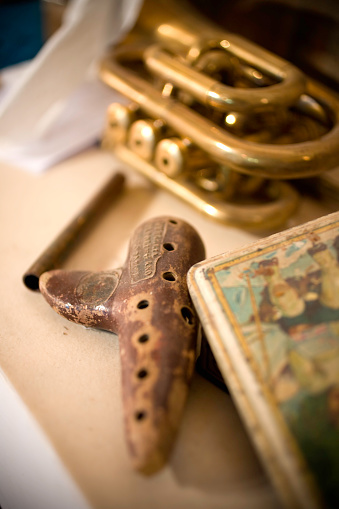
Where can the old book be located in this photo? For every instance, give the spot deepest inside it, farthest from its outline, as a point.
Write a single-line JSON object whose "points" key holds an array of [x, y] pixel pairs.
{"points": [[271, 315]]}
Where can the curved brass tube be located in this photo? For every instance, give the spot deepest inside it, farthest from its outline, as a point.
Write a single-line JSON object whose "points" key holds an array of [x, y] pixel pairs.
{"points": [[266, 160], [263, 216], [223, 97]]}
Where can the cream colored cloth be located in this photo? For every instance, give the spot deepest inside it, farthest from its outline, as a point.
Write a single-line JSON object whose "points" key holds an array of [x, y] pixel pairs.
{"points": [[69, 376]]}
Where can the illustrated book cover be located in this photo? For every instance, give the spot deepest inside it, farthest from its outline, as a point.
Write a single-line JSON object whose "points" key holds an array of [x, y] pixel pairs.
{"points": [[271, 315]]}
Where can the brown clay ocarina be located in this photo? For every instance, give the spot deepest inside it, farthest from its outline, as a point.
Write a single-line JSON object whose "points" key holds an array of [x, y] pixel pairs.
{"points": [[148, 305]]}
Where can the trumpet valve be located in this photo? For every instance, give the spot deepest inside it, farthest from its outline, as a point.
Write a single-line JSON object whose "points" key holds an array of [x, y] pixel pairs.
{"points": [[171, 156], [119, 120], [143, 137], [175, 156]]}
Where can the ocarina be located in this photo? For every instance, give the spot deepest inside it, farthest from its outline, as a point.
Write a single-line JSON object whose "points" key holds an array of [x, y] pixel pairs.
{"points": [[146, 302]]}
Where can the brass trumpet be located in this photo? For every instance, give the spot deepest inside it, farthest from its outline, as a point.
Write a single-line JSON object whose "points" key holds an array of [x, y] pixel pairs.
{"points": [[216, 119]]}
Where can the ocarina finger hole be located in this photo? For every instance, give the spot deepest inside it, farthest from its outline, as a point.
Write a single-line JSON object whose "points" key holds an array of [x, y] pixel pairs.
{"points": [[140, 415], [169, 276], [144, 338], [143, 304], [168, 246], [142, 373]]}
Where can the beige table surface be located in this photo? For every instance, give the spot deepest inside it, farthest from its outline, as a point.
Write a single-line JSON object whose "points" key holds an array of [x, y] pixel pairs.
{"points": [[68, 377]]}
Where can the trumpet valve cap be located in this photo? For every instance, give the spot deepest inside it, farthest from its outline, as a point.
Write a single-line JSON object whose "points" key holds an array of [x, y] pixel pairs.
{"points": [[119, 119], [170, 157], [142, 138]]}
